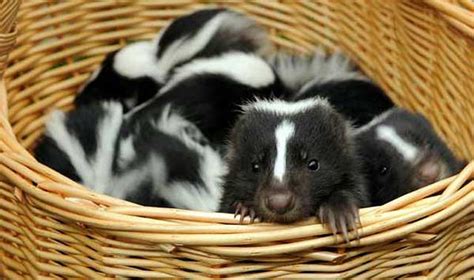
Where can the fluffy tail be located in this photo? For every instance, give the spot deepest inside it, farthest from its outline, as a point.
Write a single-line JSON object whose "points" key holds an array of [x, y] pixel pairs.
{"points": [[299, 71]]}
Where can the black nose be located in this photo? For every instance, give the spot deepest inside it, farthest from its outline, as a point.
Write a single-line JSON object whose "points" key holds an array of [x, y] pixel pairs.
{"points": [[280, 202]]}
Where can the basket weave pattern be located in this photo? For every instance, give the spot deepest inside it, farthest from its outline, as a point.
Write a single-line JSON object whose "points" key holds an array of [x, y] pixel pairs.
{"points": [[421, 52]]}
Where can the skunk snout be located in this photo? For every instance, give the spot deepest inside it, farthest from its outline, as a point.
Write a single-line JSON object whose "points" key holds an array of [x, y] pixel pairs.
{"points": [[428, 171], [279, 198], [280, 202]]}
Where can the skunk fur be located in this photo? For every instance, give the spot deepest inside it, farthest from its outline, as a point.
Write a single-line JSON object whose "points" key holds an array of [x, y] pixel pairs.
{"points": [[135, 73], [292, 160], [401, 152], [333, 77], [157, 162], [209, 91]]}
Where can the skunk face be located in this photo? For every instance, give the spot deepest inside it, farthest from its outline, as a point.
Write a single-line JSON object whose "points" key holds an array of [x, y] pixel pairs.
{"points": [[128, 76], [208, 33], [208, 92], [289, 161], [401, 152]]}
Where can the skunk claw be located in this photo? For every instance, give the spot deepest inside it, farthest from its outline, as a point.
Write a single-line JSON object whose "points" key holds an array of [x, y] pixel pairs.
{"points": [[340, 215], [244, 211]]}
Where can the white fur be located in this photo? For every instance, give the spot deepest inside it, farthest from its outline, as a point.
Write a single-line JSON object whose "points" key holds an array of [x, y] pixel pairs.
{"points": [[70, 145], [95, 172], [137, 60], [283, 133], [212, 168], [126, 152], [247, 69], [107, 133], [127, 182], [374, 122], [204, 198], [185, 48], [239, 25], [301, 72], [281, 107], [390, 135]]}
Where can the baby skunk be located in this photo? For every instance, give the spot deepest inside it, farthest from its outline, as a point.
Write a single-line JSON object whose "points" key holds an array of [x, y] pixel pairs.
{"points": [[289, 161], [159, 162], [333, 77], [401, 152], [209, 91], [135, 73]]}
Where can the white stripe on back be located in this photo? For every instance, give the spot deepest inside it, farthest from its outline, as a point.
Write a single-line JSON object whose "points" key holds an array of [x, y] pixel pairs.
{"points": [[283, 133], [390, 135]]}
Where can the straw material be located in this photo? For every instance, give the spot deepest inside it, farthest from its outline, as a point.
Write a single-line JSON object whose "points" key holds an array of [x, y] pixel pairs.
{"points": [[421, 52]]}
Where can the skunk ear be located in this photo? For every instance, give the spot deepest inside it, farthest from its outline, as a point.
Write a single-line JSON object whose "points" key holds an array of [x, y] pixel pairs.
{"points": [[428, 171]]}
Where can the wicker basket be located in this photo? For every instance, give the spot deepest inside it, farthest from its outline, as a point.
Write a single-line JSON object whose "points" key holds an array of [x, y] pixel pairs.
{"points": [[421, 52]]}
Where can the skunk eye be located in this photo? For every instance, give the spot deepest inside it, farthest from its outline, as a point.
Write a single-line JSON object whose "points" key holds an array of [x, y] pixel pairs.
{"points": [[383, 171], [313, 165], [255, 167]]}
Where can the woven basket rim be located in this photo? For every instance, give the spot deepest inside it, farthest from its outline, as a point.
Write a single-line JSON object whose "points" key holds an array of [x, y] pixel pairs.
{"points": [[417, 216]]}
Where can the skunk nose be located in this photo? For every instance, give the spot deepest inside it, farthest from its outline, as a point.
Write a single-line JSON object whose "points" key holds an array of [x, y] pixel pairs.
{"points": [[280, 202]]}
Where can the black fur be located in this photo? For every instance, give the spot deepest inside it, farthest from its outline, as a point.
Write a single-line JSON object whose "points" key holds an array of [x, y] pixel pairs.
{"points": [[388, 173], [48, 153], [211, 101], [244, 36], [185, 27], [335, 191], [82, 124], [358, 100], [109, 85]]}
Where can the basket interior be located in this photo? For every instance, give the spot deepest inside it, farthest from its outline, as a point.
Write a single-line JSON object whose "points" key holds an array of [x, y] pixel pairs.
{"points": [[419, 59], [418, 56]]}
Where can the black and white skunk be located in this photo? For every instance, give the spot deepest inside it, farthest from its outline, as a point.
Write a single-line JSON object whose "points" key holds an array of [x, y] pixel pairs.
{"points": [[135, 73], [209, 91], [401, 152], [163, 161], [292, 160], [333, 77]]}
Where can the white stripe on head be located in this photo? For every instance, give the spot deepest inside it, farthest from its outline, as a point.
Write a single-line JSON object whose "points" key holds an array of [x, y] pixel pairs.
{"points": [[281, 107], [185, 48], [283, 133], [70, 145], [390, 135], [247, 69], [137, 60]]}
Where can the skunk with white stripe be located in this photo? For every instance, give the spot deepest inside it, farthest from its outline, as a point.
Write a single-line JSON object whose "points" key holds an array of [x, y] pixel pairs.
{"points": [[163, 161], [209, 91], [333, 77], [401, 152], [135, 73], [292, 160]]}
